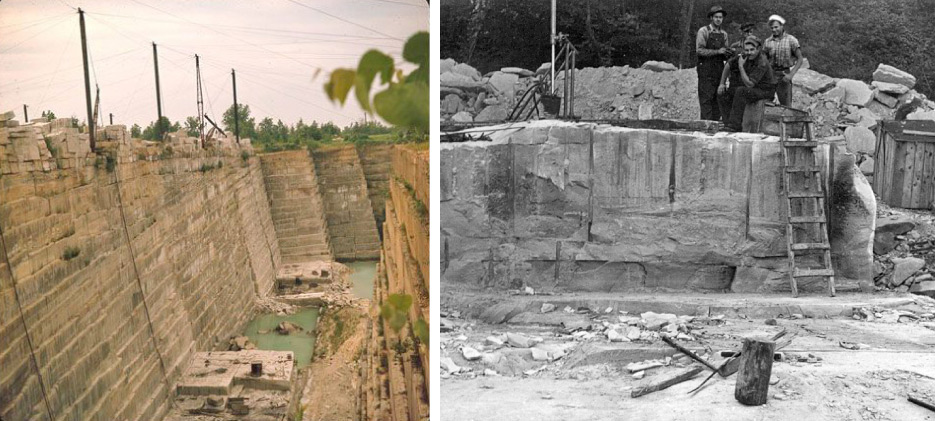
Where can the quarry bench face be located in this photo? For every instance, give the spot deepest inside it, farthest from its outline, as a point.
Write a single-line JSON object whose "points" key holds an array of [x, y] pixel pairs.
{"points": [[559, 206]]}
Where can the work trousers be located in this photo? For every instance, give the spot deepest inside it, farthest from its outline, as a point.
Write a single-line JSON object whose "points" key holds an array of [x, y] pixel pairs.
{"points": [[725, 101], [709, 77], [743, 96], [783, 88]]}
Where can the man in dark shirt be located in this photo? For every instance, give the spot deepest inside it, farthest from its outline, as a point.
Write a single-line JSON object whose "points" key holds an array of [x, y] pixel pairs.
{"points": [[757, 78]]}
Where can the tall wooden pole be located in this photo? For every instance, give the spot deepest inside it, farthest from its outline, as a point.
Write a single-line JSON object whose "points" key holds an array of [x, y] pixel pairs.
{"points": [[158, 95], [87, 78], [236, 113], [25, 114], [111, 119], [200, 99]]}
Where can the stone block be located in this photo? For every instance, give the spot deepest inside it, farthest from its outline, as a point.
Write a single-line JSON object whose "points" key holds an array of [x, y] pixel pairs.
{"points": [[860, 139], [890, 74], [856, 92], [812, 82]]}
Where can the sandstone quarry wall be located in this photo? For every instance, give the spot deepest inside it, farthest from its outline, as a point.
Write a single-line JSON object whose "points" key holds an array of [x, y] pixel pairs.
{"points": [[296, 206], [117, 266], [395, 385], [582, 207], [376, 160], [351, 226]]}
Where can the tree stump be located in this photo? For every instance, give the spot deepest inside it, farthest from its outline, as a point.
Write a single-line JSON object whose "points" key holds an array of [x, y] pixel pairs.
{"points": [[756, 366]]}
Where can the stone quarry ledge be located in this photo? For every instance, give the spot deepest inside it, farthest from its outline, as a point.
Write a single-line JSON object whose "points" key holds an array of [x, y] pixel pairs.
{"points": [[500, 309], [217, 373], [319, 272], [565, 206]]}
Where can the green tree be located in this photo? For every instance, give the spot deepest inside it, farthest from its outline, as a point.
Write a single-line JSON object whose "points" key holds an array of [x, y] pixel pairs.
{"points": [[49, 115], [135, 131], [192, 126], [405, 100], [247, 124]]}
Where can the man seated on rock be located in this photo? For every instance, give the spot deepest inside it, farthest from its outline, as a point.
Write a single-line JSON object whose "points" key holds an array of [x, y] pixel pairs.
{"points": [[758, 80], [730, 77], [785, 55]]}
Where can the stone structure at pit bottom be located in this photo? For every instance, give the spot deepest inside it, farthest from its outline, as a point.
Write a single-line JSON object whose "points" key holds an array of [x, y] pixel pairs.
{"points": [[582, 207]]}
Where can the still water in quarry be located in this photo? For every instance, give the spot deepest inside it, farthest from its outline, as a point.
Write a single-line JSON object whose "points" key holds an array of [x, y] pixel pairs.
{"points": [[262, 329]]}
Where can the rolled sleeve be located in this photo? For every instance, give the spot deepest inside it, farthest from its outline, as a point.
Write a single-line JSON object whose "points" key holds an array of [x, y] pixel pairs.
{"points": [[701, 40]]}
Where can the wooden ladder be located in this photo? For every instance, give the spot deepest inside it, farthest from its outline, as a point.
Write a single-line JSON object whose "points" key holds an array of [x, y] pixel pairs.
{"points": [[809, 191]]}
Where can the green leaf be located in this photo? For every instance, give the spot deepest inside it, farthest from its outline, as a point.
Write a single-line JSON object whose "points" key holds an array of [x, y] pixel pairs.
{"points": [[416, 49], [398, 321], [340, 84], [400, 302], [372, 63], [405, 105], [421, 330]]}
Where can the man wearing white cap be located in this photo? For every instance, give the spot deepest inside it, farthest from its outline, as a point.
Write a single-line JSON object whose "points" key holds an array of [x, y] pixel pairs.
{"points": [[785, 55]]}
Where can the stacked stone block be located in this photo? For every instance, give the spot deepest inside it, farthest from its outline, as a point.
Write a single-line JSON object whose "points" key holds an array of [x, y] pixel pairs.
{"points": [[376, 161], [296, 207], [349, 214]]}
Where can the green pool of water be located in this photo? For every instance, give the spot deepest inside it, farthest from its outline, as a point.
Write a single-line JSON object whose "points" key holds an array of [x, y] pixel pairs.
{"points": [[302, 344], [362, 276]]}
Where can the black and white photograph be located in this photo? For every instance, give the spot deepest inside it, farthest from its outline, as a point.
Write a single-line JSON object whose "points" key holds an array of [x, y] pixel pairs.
{"points": [[686, 210]]}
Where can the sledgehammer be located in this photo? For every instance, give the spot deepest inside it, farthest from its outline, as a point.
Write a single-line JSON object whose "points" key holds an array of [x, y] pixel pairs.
{"points": [[725, 370]]}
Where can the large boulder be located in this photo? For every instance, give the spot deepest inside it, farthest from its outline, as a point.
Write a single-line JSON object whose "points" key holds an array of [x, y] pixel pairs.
{"points": [[466, 70], [492, 113], [517, 71], [921, 115], [504, 83], [812, 82], [462, 117], [885, 98], [446, 65], [457, 80], [890, 88], [853, 212], [856, 92], [860, 139], [890, 74], [903, 268], [452, 104], [658, 66]]}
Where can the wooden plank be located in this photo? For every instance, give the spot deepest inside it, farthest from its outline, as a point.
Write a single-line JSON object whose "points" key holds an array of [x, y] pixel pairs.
{"points": [[665, 380], [928, 178], [908, 177], [879, 158], [915, 201], [895, 192]]}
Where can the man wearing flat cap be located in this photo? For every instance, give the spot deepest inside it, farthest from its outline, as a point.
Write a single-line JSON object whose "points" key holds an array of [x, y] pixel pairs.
{"points": [[759, 81], [785, 55], [711, 45]]}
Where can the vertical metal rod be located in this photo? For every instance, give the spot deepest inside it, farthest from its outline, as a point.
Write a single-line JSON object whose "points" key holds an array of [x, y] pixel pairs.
{"points": [[552, 41], [200, 99], [565, 82], [571, 97], [236, 113], [25, 114], [87, 78], [158, 95]]}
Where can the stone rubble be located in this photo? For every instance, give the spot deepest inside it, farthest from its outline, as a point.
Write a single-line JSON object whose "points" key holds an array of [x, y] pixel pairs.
{"points": [[904, 251]]}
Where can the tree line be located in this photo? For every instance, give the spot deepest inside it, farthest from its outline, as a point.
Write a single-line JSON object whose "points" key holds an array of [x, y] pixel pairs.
{"points": [[840, 38]]}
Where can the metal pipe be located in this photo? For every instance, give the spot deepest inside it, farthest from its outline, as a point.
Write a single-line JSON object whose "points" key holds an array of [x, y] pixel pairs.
{"points": [[87, 78], [552, 40], [565, 83], [574, 54]]}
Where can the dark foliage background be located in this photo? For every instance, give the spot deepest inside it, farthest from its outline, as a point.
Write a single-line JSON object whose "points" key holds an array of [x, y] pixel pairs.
{"points": [[840, 38]]}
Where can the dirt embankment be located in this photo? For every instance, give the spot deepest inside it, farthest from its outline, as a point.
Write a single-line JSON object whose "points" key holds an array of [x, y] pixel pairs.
{"points": [[331, 391]]}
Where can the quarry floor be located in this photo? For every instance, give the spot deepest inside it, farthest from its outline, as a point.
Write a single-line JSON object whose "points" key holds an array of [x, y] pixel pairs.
{"points": [[590, 380], [331, 391]]}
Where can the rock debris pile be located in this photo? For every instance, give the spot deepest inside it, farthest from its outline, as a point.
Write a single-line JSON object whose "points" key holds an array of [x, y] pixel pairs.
{"points": [[904, 252]]}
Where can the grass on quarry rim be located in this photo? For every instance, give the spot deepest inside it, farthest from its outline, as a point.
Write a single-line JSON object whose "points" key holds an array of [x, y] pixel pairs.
{"points": [[334, 328]]}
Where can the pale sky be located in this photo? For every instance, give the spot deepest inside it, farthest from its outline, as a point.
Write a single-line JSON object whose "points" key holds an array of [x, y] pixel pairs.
{"points": [[276, 47]]}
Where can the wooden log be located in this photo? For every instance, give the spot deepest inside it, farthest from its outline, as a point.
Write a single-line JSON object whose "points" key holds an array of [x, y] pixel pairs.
{"points": [[756, 366], [666, 380], [922, 402]]}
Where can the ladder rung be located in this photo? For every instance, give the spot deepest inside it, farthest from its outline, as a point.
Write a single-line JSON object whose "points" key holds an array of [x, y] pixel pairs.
{"points": [[807, 220], [800, 144], [810, 246], [802, 273], [803, 168], [799, 194]]}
